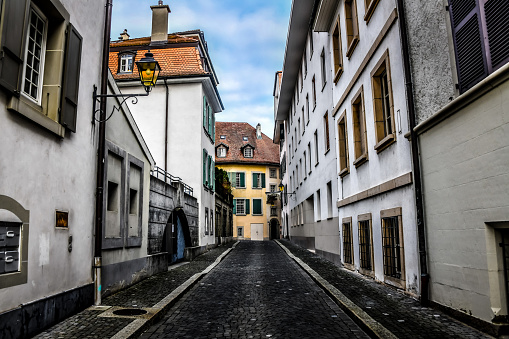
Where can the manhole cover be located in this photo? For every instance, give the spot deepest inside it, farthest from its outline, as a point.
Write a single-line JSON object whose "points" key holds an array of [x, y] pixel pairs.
{"points": [[129, 312]]}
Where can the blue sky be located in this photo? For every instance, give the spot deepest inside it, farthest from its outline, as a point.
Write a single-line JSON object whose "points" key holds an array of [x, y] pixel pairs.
{"points": [[246, 41]]}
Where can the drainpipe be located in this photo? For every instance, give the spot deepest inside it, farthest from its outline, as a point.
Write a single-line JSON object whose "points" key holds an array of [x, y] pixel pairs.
{"points": [[416, 166], [166, 128], [99, 212]]}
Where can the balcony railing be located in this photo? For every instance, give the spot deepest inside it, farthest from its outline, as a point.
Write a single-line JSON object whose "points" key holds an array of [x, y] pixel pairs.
{"points": [[161, 174]]}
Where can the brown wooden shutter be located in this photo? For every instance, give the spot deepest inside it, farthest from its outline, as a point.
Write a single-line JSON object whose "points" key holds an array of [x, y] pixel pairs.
{"points": [[70, 85], [496, 13], [468, 42], [13, 42]]}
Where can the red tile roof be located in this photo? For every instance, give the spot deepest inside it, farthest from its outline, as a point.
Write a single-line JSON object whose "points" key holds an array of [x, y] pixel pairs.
{"points": [[174, 61], [265, 152]]}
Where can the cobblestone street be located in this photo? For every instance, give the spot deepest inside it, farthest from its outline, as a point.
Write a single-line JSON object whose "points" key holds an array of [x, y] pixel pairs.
{"points": [[256, 292]]}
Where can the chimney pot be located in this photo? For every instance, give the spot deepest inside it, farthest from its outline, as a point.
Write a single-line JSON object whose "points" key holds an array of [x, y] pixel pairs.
{"points": [[258, 131], [124, 35], [160, 23]]}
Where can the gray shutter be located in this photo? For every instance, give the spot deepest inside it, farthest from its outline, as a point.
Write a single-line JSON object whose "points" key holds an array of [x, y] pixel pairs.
{"points": [[496, 12], [13, 42], [71, 81], [468, 42]]}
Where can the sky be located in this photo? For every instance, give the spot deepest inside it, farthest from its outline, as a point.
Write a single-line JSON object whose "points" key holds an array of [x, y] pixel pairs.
{"points": [[246, 41]]}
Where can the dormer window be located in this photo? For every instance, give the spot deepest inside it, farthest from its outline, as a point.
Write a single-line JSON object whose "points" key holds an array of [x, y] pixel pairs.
{"points": [[244, 138], [221, 152], [126, 63], [248, 152]]}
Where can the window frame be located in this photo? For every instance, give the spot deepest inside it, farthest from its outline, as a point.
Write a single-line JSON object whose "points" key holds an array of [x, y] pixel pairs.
{"points": [[121, 57], [261, 207], [326, 133], [260, 180], [343, 160], [360, 140], [323, 68], [337, 51], [313, 90], [369, 9], [246, 154], [348, 245], [366, 219], [273, 170], [386, 214], [383, 139]]}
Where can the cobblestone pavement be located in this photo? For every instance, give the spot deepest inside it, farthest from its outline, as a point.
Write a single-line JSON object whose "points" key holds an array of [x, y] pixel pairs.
{"points": [[397, 312], [256, 292], [90, 324]]}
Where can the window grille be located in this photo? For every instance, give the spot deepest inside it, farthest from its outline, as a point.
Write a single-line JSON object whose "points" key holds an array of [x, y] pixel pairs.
{"points": [[391, 247], [365, 244], [35, 54], [240, 206], [347, 243], [248, 152]]}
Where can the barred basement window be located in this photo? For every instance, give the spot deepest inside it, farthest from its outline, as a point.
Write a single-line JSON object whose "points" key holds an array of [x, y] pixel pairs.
{"points": [[365, 244], [347, 241], [393, 251]]}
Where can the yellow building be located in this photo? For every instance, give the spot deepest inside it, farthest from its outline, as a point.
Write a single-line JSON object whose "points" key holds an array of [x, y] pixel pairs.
{"points": [[252, 162]]}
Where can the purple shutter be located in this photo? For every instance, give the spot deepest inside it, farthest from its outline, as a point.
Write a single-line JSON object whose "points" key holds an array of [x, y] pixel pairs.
{"points": [[496, 13]]}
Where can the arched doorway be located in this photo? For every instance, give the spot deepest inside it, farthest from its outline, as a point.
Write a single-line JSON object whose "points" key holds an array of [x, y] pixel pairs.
{"points": [[176, 236], [274, 228]]}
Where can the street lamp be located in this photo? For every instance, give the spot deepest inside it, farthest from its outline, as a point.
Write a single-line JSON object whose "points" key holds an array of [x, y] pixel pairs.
{"points": [[149, 70]]}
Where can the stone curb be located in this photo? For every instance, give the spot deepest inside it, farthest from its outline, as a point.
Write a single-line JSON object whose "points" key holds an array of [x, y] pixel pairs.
{"points": [[137, 326], [368, 324]]}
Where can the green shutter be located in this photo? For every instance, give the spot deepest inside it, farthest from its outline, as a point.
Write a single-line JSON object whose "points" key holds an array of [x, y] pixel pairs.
{"points": [[70, 86], [254, 180], [204, 166], [247, 206], [213, 175], [209, 111], [257, 206], [204, 112], [263, 180], [210, 171], [242, 179], [214, 126], [234, 206]]}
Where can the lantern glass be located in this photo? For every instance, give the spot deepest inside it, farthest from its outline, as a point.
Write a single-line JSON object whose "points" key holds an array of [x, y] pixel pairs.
{"points": [[281, 187], [149, 70]]}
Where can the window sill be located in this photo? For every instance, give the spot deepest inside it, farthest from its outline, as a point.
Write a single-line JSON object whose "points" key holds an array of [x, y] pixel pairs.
{"points": [[316, 165], [385, 142], [307, 123], [367, 272], [310, 172], [349, 266], [344, 172], [370, 10], [352, 46], [399, 283], [305, 178], [327, 151], [323, 85], [314, 106], [34, 112], [361, 160], [338, 75]]}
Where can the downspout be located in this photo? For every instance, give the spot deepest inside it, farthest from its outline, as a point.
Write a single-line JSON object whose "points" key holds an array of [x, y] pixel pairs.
{"points": [[99, 211], [416, 166], [166, 128]]}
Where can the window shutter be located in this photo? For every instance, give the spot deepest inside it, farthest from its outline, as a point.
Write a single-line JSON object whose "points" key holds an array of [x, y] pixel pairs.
{"points": [[247, 206], [468, 42], [234, 206], [496, 12], [209, 109], [204, 166], [242, 179], [71, 81], [254, 185], [204, 112], [210, 171], [214, 126], [13, 42], [263, 180], [257, 206], [213, 175]]}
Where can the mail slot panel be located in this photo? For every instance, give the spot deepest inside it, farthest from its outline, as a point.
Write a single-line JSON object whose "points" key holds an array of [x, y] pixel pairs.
{"points": [[3, 231], [2, 262], [11, 261], [12, 236]]}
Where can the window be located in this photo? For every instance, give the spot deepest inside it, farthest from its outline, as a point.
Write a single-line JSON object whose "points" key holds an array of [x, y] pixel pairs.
{"points": [[316, 148], [370, 6], [359, 129], [383, 103], [311, 49], [211, 225], [240, 232], [273, 173], [297, 176], [304, 174], [337, 52], [323, 69], [318, 206], [239, 179], [305, 63], [329, 199], [297, 89], [352, 26], [126, 63], [273, 211], [309, 155], [244, 138], [305, 166], [307, 107], [47, 58], [365, 244], [392, 242], [296, 138], [241, 206], [343, 145], [272, 188], [222, 137], [206, 221], [303, 122], [299, 129], [481, 37], [248, 152], [135, 200], [258, 180], [221, 152], [313, 88], [347, 242], [257, 206], [326, 131]]}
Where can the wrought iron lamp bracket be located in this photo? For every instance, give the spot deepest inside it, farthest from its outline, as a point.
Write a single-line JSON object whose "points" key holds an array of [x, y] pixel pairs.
{"points": [[124, 97]]}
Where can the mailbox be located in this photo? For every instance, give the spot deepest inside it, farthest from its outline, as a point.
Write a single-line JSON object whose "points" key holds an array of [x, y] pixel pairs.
{"points": [[9, 246]]}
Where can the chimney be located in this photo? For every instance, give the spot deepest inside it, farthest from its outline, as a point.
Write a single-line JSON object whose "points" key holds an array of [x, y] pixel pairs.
{"points": [[258, 131], [124, 35], [159, 23]]}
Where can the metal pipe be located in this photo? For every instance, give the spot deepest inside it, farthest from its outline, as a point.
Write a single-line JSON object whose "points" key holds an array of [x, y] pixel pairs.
{"points": [[99, 212], [166, 128], [416, 166]]}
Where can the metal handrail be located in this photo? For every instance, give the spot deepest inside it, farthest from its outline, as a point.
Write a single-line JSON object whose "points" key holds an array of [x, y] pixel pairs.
{"points": [[171, 179]]}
